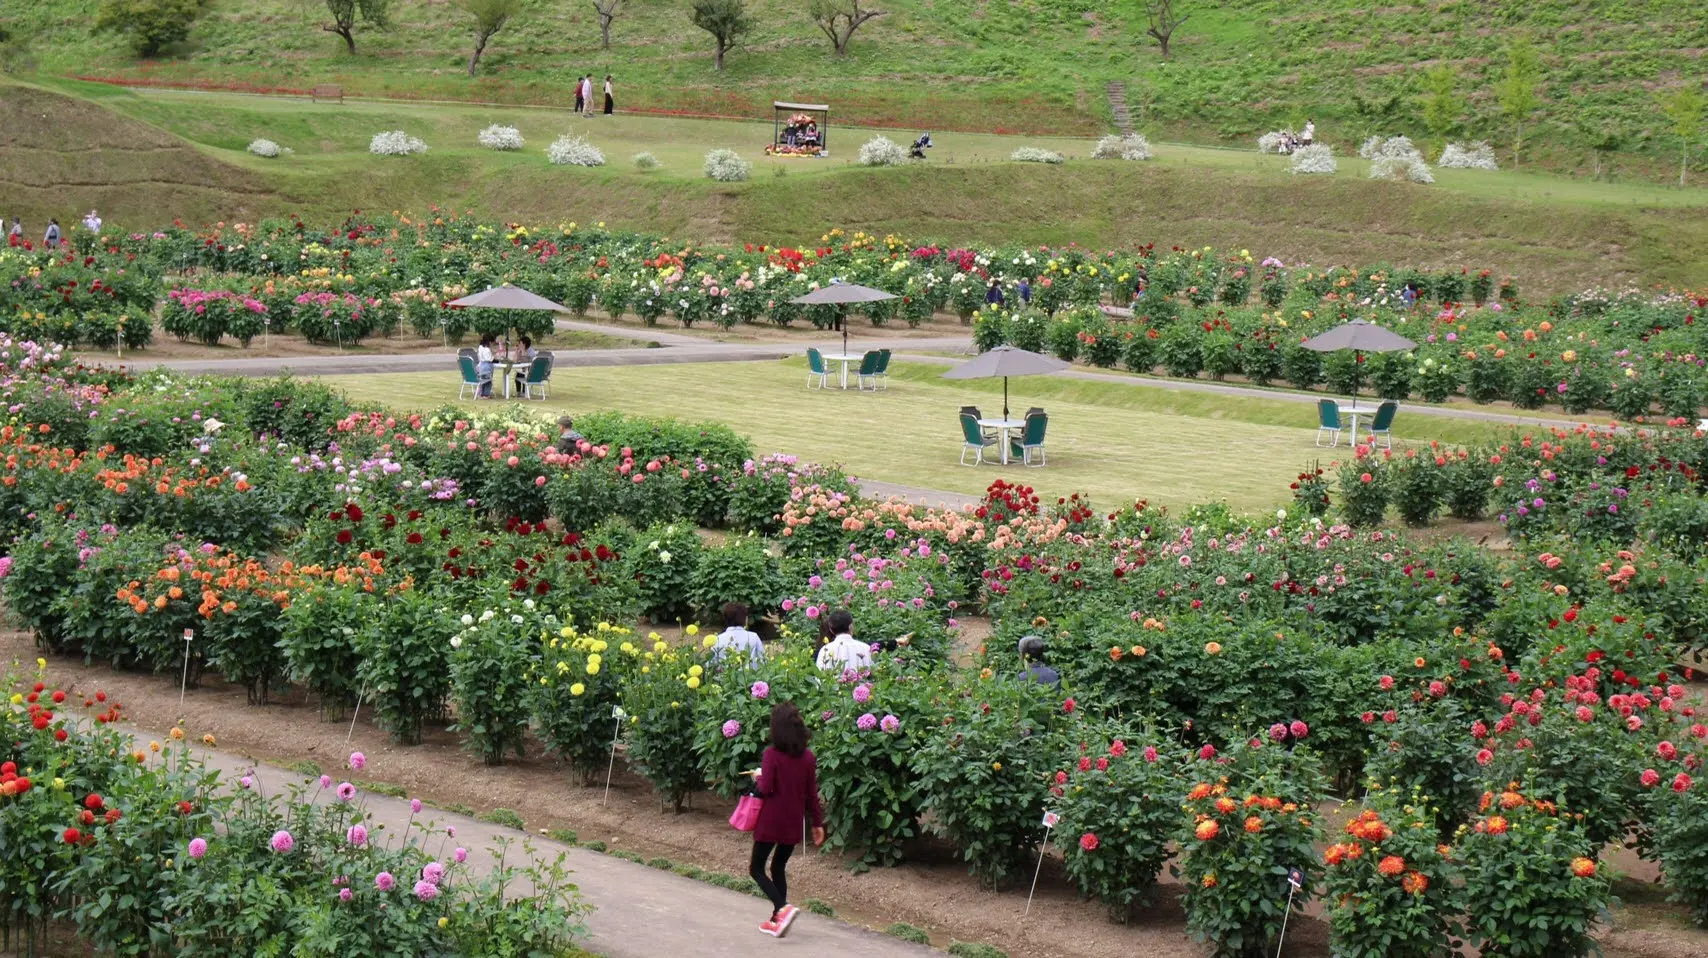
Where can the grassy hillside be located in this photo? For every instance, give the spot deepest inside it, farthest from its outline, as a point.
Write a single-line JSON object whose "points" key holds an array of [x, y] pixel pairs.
{"points": [[1240, 66], [121, 151]]}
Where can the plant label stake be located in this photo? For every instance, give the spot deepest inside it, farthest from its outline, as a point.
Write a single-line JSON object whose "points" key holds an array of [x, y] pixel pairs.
{"points": [[359, 696], [617, 715], [184, 685], [1050, 820], [1295, 881]]}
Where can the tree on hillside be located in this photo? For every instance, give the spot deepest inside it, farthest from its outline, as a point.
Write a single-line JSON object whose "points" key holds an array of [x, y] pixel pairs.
{"points": [[607, 11], [1517, 89], [1442, 104], [490, 16], [839, 19], [1164, 20], [1604, 137], [150, 25], [726, 20], [345, 13], [1684, 108], [1379, 115]]}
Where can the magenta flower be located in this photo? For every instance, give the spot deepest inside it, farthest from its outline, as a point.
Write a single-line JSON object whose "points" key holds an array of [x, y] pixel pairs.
{"points": [[384, 882], [357, 760], [862, 693], [426, 890], [732, 728], [345, 894], [1150, 753], [346, 791], [246, 782], [198, 847], [325, 781], [890, 723], [1299, 729], [282, 842], [357, 836], [460, 855], [866, 722], [812, 611], [760, 690], [433, 872], [415, 805]]}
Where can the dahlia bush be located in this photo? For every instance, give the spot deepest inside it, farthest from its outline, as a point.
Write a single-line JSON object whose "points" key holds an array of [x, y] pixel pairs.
{"points": [[492, 658], [396, 143], [1389, 882], [497, 137], [882, 151], [1120, 811], [1564, 891], [574, 150], [727, 166], [1131, 146], [574, 687]]}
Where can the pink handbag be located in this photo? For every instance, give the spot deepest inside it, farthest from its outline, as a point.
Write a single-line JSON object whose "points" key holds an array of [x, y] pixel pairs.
{"points": [[746, 815]]}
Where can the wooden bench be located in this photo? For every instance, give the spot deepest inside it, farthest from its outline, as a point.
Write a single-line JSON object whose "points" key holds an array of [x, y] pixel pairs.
{"points": [[327, 91]]}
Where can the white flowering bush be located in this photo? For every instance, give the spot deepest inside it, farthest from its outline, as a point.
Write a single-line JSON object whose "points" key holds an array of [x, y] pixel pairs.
{"points": [[1033, 154], [1317, 158], [396, 143], [1129, 147], [268, 149], [646, 161], [574, 150], [1387, 146], [1395, 158], [496, 137], [1272, 141], [882, 151], [727, 166], [1476, 156]]}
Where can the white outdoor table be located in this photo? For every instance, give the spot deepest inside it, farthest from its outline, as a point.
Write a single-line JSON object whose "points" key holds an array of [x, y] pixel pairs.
{"points": [[1354, 411], [844, 359], [509, 367], [1002, 426]]}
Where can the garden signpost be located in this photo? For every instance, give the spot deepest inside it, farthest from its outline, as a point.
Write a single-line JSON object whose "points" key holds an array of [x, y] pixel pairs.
{"points": [[184, 685], [1050, 820], [1295, 881], [617, 714]]}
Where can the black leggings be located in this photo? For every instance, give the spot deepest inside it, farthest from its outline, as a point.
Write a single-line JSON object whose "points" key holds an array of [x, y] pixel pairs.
{"points": [[776, 886]]}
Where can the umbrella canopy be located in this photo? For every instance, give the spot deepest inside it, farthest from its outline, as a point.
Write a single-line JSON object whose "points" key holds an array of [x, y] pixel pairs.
{"points": [[1359, 335], [842, 294], [1006, 361], [506, 297]]}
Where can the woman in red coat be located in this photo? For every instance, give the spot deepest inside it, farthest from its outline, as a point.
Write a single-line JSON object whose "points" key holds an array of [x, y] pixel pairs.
{"points": [[788, 783]]}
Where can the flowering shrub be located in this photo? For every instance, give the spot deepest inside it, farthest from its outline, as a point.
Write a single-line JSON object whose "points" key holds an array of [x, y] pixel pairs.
{"points": [[575, 685], [1364, 491], [574, 150], [1273, 141], [404, 649], [1132, 146], [1564, 892], [268, 149], [646, 162], [1316, 158], [865, 763], [1120, 809], [663, 706], [1389, 882], [1473, 156], [1034, 154], [396, 143], [210, 315], [492, 658], [497, 137], [882, 151], [663, 561], [727, 166]]}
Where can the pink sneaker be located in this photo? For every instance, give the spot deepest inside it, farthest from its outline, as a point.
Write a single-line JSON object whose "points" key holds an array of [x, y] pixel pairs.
{"points": [[785, 918], [770, 928]]}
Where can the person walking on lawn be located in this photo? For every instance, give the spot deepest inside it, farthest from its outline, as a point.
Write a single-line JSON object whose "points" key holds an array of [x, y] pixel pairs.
{"points": [[787, 784]]}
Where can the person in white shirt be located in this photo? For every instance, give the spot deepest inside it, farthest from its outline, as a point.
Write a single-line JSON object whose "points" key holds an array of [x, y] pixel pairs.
{"points": [[844, 651], [587, 95], [1310, 132], [92, 222], [735, 638], [483, 360]]}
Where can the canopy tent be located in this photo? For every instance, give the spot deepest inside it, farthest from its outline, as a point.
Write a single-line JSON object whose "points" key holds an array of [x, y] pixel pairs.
{"points": [[1006, 361], [841, 295], [789, 137], [1360, 336]]}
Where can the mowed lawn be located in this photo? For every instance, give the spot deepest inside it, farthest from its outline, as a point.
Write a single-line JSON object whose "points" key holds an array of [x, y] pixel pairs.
{"points": [[1116, 441]]}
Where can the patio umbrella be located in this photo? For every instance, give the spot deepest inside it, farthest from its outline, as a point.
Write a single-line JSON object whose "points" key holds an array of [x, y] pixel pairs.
{"points": [[1359, 336], [506, 297], [1006, 361], [842, 294]]}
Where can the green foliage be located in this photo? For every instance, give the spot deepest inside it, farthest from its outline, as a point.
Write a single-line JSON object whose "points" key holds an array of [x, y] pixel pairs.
{"points": [[726, 20], [1552, 911], [489, 17], [907, 932], [1390, 883], [1517, 89], [505, 817], [1442, 104], [574, 689], [819, 906], [663, 703], [403, 649], [492, 659], [150, 25], [1119, 812]]}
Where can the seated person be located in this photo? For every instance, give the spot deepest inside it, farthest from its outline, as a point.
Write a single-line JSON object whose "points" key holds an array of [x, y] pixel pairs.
{"points": [[1032, 656], [736, 639], [843, 651], [568, 440]]}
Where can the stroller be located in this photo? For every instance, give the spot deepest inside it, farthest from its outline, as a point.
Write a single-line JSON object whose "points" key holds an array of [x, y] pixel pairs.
{"points": [[917, 151]]}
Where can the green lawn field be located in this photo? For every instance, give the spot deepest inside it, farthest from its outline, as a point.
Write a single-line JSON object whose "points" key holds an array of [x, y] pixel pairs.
{"points": [[1113, 440]]}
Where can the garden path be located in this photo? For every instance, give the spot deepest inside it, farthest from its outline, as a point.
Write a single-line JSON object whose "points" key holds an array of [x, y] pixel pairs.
{"points": [[641, 912]]}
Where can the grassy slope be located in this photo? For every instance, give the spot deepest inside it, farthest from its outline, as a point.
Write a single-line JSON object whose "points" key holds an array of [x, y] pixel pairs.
{"points": [[1554, 233], [1240, 66], [1114, 441]]}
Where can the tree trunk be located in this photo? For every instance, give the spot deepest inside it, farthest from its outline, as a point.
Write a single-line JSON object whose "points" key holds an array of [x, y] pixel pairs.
{"points": [[349, 40], [1164, 42], [1683, 161], [720, 57], [474, 58], [841, 44], [604, 33]]}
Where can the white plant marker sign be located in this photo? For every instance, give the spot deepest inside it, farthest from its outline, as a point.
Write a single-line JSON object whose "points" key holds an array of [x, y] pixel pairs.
{"points": [[1050, 821]]}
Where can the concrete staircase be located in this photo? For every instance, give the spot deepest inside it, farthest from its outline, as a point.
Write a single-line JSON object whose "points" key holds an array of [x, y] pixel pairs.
{"points": [[1117, 92]]}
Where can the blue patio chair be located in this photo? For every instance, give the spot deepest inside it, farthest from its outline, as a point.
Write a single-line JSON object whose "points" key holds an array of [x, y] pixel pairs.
{"points": [[1383, 424], [815, 368], [471, 377], [1029, 444], [973, 440], [1328, 421]]}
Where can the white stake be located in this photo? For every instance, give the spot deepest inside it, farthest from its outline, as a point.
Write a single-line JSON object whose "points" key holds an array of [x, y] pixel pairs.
{"points": [[352, 733], [1293, 878], [184, 684], [1050, 820], [618, 714]]}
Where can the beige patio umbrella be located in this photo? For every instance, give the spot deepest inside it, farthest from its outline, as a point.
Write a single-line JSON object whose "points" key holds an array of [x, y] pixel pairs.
{"points": [[506, 297], [842, 294]]}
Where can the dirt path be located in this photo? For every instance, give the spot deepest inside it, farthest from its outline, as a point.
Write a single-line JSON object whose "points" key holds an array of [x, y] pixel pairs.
{"points": [[932, 891]]}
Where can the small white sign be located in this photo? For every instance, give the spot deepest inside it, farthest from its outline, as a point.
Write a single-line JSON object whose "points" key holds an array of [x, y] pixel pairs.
{"points": [[618, 713], [189, 634], [1050, 819]]}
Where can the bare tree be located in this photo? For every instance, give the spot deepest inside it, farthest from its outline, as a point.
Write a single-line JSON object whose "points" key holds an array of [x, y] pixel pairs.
{"points": [[490, 16], [608, 11], [1164, 20], [345, 13], [726, 20], [839, 19]]}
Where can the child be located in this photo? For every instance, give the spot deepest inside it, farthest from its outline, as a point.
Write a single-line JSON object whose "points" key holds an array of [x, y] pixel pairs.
{"points": [[788, 784]]}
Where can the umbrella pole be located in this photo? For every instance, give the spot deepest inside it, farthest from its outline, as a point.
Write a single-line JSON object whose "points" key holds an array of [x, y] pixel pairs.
{"points": [[1005, 397]]}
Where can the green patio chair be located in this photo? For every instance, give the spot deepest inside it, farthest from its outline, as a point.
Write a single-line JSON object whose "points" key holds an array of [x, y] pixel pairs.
{"points": [[471, 377], [815, 368], [973, 411], [1383, 424], [973, 440], [535, 382], [1328, 421], [1030, 443], [869, 368], [883, 379]]}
